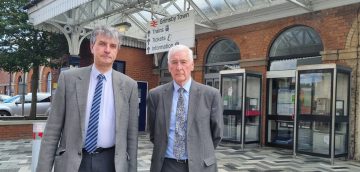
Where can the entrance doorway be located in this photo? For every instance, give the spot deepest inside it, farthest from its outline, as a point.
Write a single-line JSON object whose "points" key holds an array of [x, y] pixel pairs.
{"points": [[280, 111], [294, 46], [143, 89]]}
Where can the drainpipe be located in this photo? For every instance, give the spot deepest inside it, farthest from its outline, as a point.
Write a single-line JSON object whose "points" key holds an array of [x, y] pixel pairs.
{"points": [[356, 75]]}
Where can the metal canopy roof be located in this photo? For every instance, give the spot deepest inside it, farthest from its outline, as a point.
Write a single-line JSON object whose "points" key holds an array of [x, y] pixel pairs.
{"points": [[211, 15]]}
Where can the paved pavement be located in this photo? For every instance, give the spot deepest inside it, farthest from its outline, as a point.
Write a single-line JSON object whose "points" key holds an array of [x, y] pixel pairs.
{"points": [[15, 156]]}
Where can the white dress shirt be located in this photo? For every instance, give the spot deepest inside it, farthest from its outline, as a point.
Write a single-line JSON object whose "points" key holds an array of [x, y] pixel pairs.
{"points": [[106, 127]]}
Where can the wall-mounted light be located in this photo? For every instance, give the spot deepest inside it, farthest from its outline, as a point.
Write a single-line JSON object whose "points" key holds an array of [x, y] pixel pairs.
{"points": [[123, 27]]}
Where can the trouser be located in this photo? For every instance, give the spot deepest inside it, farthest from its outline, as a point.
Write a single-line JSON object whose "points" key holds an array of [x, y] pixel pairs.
{"points": [[100, 161]]}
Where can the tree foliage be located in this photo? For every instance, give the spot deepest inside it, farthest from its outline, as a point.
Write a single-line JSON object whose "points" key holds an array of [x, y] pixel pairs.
{"points": [[22, 47]]}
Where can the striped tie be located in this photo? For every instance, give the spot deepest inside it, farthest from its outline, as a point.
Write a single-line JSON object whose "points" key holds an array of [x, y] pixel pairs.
{"points": [[92, 131]]}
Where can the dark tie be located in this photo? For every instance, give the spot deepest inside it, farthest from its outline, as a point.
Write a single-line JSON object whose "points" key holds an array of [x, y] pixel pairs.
{"points": [[180, 128], [92, 131]]}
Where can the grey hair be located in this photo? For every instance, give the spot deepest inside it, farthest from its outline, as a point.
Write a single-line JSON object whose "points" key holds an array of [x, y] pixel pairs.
{"points": [[178, 48], [106, 31]]}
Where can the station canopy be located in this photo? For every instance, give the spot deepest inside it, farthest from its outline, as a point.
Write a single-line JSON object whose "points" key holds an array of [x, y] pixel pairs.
{"points": [[210, 15]]}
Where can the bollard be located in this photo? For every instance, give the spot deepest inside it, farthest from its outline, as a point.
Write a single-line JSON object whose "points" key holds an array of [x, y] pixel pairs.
{"points": [[38, 129]]}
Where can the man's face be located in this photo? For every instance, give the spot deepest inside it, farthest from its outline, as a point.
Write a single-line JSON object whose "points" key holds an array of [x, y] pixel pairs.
{"points": [[104, 50], [180, 67]]}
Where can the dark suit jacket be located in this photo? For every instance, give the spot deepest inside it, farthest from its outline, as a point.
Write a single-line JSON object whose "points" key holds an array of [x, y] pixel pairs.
{"points": [[205, 125], [64, 132]]}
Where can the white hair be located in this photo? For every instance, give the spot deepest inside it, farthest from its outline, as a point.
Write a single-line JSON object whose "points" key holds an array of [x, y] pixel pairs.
{"points": [[178, 48]]}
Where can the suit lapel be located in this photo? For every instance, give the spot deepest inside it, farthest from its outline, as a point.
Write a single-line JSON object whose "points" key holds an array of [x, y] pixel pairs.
{"points": [[193, 97], [82, 88], [167, 99]]}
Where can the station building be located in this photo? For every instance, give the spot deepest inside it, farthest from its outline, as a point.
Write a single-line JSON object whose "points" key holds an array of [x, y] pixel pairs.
{"points": [[287, 69]]}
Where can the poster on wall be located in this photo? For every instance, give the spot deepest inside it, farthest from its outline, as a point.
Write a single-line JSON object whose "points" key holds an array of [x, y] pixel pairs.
{"points": [[305, 100], [285, 102]]}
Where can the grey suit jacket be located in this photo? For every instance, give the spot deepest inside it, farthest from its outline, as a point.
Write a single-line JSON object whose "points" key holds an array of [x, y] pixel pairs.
{"points": [[62, 143], [205, 125]]}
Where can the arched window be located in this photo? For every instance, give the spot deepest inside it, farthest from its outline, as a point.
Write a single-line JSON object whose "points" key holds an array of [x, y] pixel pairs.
{"points": [[20, 85], [29, 84], [165, 75], [294, 46], [223, 54], [48, 83]]}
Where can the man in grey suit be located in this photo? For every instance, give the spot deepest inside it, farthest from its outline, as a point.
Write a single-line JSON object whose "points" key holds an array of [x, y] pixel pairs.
{"points": [[184, 119], [93, 123]]}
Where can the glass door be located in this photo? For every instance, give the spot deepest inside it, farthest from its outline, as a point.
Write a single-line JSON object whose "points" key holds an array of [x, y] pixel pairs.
{"points": [[342, 107], [314, 111], [280, 112], [231, 89], [252, 108]]}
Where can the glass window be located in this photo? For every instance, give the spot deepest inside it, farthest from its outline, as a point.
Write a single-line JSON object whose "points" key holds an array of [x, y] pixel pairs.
{"points": [[224, 54], [315, 93], [280, 132], [232, 127], [119, 66], [282, 96], [314, 137], [305, 136], [291, 64], [341, 137], [342, 89], [232, 92], [296, 40], [12, 99], [172, 10], [139, 18], [48, 83], [223, 51], [299, 45]]}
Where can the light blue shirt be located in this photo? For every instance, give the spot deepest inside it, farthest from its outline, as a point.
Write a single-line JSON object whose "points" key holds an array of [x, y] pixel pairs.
{"points": [[171, 138], [106, 127]]}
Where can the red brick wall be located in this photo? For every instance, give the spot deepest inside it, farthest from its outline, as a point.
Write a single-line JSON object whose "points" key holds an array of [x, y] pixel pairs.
{"points": [[4, 80], [46, 71], [139, 66], [254, 40], [15, 132], [28, 81]]}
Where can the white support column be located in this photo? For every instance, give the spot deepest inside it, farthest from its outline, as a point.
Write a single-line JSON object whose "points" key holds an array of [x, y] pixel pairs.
{"points": [[74, 36]]}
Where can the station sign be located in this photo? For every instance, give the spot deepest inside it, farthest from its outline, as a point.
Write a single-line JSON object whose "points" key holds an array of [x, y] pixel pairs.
{"points": [[163, 33]]}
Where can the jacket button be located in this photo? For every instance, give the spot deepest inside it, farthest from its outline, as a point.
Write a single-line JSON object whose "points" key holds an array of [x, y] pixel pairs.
{"points": [[79, 153]]}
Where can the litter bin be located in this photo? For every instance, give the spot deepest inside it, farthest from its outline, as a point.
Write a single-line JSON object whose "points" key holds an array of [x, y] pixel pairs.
{"points": [[38, 129]]}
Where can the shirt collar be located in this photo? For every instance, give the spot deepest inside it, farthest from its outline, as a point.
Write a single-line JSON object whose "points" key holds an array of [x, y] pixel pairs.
{"points": [[95, 73], [186, 86]]}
